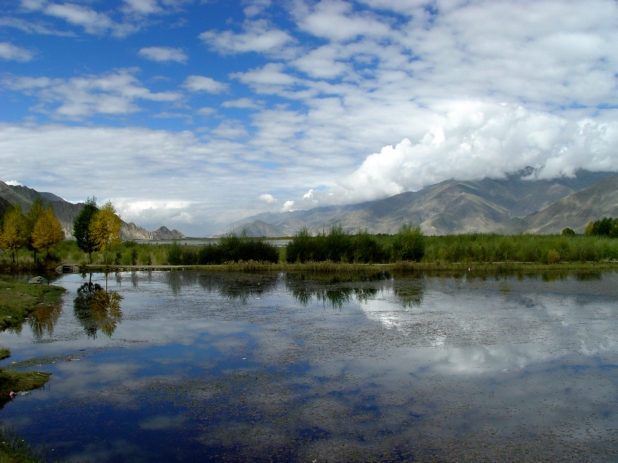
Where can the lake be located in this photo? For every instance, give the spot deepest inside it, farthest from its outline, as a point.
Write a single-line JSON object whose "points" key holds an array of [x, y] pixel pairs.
{"points": [[198, 366]]}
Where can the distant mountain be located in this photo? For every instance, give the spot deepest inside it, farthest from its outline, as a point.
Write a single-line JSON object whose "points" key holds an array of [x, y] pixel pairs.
{"points": [[575, 210], [487, 205], [67, 212]]}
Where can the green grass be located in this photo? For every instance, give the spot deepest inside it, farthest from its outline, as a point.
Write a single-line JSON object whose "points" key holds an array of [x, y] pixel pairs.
{"points": [[18, 299], [16, 450]]}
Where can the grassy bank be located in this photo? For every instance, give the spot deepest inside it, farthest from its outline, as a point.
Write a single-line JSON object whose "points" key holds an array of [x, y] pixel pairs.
{"points": [[19, 299], [15, 450]]}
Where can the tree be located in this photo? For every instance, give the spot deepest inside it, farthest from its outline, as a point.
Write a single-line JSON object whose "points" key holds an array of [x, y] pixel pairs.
{"points": [[82, 230], [34, 214], [14, 230], [47, 231], [105, 227], [568, 232]]}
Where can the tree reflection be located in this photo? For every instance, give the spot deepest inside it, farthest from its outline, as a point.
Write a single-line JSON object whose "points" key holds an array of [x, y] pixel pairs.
{"points": [[43, 319], [97, 309]]}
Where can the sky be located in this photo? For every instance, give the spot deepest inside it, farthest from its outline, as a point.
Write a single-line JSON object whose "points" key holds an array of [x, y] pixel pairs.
{"points": [[196, 113]]}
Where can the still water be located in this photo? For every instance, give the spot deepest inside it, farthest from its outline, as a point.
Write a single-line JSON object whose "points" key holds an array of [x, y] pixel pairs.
{"points": [[188, 366]]}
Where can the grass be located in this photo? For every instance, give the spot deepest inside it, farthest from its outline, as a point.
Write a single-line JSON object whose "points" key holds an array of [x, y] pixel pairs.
{"points": [[18, 299], [16, 450]]}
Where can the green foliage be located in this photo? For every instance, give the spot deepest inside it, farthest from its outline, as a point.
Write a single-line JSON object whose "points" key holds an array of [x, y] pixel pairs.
{"points": [[335, 246], [603, 227], [409, 244], [81, 228], [231, 248]]}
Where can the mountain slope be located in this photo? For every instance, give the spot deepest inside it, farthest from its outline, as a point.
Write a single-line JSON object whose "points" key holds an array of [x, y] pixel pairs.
{"points": [[487, 205], [576, 210]]}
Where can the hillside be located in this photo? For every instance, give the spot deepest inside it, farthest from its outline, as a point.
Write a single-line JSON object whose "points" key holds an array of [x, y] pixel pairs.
{"points": [[66, 213], [483, 206], [576, 210]]}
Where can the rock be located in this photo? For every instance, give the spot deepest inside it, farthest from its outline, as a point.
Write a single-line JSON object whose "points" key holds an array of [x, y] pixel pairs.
{"points": [[36, 281]]}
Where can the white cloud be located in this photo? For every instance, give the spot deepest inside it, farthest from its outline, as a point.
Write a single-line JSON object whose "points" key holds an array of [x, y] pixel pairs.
{"points": [[206, 111], [336, 21], [230, 129], [9, 51], [204, 84], [244, 103], [258, 36], [13, 183], [92, 21], [142, 6], [162, 54], [112, 93], [267, 198], [32, 27], [288, 206], [477, 140]]}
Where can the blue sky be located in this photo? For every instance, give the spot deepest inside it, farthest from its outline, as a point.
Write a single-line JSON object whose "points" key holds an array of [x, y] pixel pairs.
{"points": [[195, 114]]}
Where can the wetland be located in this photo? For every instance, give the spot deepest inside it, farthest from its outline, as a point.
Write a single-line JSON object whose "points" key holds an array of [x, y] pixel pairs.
{"points": [[286, 366]]}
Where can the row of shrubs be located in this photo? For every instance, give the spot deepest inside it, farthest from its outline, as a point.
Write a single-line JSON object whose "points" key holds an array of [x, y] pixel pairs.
{"points": [[339, 246], [230, 249]]}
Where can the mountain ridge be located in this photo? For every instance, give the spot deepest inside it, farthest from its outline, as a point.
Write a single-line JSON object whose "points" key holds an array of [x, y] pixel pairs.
{"points": [[449, 207]]}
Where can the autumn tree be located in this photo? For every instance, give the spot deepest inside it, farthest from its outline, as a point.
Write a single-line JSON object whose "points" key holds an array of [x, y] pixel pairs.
{"points": [[82, 230], [105, 227], [47, 231], [34, 214], [14, 229]]}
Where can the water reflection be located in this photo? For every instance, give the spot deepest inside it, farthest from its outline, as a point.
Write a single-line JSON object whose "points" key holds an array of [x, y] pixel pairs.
{"points": [[97, 309], [464, 368], [43, 319]]}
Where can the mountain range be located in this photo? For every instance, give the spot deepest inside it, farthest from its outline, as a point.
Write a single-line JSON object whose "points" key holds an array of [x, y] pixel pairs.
{"points": [[66, 213], [519, 203]]}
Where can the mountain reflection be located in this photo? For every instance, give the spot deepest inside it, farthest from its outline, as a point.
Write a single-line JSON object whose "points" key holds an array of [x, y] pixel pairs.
{"points": [[97, 309]]}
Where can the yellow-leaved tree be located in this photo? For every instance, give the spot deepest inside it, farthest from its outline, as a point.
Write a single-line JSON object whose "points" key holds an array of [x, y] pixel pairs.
{"points": [[47, 231], [14, 230], [105, 228]]}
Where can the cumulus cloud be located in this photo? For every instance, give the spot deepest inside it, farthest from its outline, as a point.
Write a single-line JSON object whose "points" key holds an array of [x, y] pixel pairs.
{"points": [[335, 20], [162, 54], [204, 84], [9, 51], [477, 140], [257, 36], [267, 198]]}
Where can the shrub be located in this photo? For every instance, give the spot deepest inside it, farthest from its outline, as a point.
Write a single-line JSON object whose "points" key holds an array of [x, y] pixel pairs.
{"points": [[409, 244]]}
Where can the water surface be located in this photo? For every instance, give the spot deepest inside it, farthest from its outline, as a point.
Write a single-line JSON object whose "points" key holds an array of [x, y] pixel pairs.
{"points": [[196, 366]]}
